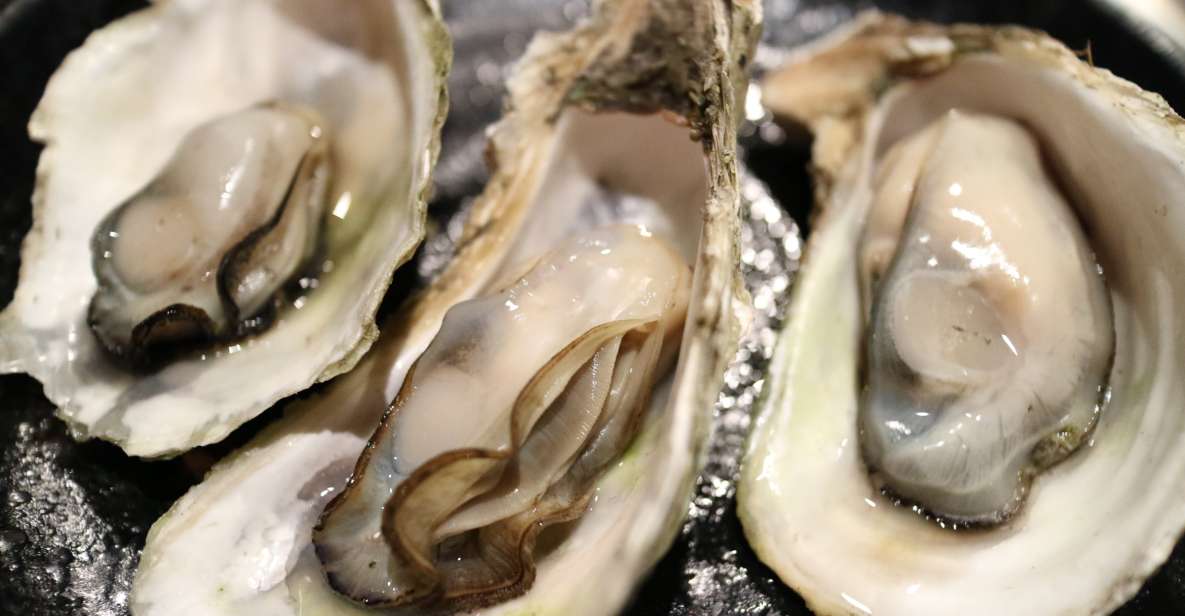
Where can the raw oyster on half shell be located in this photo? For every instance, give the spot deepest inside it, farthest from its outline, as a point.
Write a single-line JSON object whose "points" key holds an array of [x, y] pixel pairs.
{"points": [[974, 407], [201, 251], [533, 419], [226, 189]]}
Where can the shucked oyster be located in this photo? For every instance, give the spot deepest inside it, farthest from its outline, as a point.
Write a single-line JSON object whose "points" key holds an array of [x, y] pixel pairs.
{"points": [[535, 417], [591, 327], [986, 353], [203, 249], [226, 189], [974, 339]]}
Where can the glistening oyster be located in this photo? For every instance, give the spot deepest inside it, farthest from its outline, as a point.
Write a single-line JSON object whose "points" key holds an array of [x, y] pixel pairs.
{"points": [[225, 191], [535, 417], [975, 405]]}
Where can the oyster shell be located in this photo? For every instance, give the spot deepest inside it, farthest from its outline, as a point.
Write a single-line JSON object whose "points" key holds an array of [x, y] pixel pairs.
{"points": [[168, 94], [1072, 469], [586, 142]]}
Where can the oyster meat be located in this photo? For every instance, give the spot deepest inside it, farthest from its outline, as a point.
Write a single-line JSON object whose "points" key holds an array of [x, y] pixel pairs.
{"points": [[591, 327], [194, 256], [225, 192], [973, 407], [541, 406], [986, 353]]}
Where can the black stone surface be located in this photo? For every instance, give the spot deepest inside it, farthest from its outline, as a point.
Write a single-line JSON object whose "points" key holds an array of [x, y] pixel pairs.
{"points": [[73, 516]]}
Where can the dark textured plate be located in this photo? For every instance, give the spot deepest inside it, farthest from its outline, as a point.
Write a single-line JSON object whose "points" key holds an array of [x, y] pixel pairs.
{"points": [[73, 516]]}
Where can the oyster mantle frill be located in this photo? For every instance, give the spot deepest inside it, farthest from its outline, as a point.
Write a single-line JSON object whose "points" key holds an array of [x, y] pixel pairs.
{"points": [[591, 328]]}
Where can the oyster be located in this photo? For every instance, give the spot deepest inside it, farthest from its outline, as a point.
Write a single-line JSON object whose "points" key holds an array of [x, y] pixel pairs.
{"points": [[973, 340], [520, 449], [456, 511], [192, 256], [215, 226], [986, 354]]}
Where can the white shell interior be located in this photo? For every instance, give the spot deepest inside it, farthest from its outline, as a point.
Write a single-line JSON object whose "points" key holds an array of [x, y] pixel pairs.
{"points": [[111, 117], [1095, 525], [239, 542]]}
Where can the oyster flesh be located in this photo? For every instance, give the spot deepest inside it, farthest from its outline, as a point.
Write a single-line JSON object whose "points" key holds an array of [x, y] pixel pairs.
{"points": [[167, 275], [456, 511], [225, 192], [542, 405], [973, 407]]}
